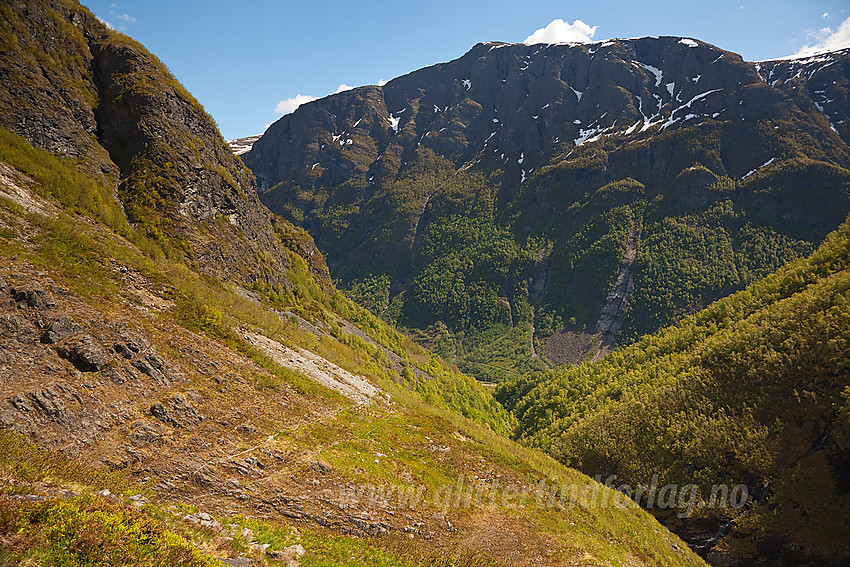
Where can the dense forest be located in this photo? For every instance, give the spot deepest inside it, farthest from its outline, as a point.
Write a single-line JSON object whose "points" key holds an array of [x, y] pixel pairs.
{"points": [[754, 389]]}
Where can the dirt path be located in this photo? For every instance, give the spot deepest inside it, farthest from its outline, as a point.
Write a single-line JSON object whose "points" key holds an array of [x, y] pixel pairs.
{"points": [[322, 418]]}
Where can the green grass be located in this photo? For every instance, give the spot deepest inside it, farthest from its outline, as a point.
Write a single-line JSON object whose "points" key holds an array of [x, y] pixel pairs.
{"points": [[88, 532], [30, 464], [61, 179]]}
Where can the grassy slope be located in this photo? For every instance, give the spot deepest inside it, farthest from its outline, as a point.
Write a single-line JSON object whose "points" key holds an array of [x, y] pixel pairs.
{"points": [[185, 313], [753, 389]]}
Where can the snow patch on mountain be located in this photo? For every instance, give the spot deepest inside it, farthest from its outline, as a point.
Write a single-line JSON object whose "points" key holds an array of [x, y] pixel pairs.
{"points": [[241, 145], [393, 123], [577, 93], [655, 71], [765, 164]]}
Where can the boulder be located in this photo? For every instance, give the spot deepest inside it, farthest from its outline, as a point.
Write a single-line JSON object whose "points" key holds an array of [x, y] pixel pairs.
{"points": [[162, 413], [34, 296], [289, 556], [85, 353], [59, 329], [203, 519]]}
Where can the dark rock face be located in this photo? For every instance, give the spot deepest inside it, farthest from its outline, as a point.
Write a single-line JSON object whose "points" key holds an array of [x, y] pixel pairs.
{"points": [[158, 127], [34, 296], [53, 107], [60, 329], [178, 413], [17, 327], [160, 412], [152, 364], [130, 344], [517, 102], [820, 81], [51, 403], [144, 434], [85, 353]]}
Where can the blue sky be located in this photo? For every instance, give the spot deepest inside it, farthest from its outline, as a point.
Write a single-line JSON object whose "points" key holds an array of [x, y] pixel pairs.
{"points": [[244, 60]]}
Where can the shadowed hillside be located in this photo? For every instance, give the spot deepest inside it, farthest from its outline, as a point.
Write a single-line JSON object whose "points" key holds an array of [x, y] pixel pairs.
{"points": [[492, 203]]}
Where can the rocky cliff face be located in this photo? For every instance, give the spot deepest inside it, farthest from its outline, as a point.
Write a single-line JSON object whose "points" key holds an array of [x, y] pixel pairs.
{"points": [[821, 80], [723, 169], [516, 100], [79, 90]]}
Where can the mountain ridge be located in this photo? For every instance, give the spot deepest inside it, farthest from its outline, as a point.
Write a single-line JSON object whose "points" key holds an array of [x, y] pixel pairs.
{"points": [[101, 97], [558, 150]]}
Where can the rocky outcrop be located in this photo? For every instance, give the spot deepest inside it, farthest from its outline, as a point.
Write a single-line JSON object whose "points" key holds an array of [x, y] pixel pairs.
{"points": [[151, 363], [50, 403], [820, 81], [85, 353], [60, 329], [80, 90], [55, 371], [177, 413], [108, 391]]}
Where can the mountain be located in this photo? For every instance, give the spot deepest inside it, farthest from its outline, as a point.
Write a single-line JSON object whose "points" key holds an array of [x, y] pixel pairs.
{"points": [[72, 87], [753, 390], [241, 145], [819, 80], [181, 383], [534, 204]]}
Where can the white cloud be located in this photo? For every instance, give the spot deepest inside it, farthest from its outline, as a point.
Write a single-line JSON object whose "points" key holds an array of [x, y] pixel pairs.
{"points": [[825, 15], [382, 82], [827, 40], [559, 31], [104, 22], [115, 15], [290, 104]]}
